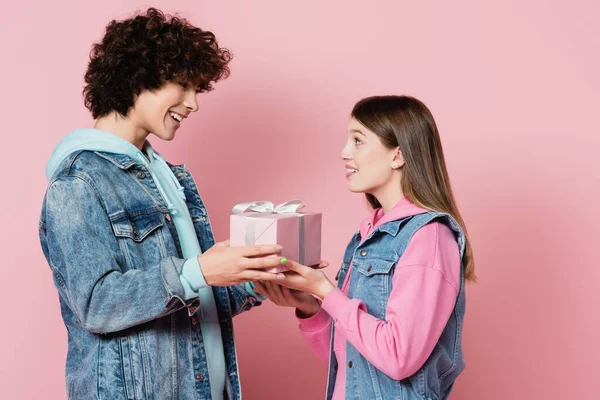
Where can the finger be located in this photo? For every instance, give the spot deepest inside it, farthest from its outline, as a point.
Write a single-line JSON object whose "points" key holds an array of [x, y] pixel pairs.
{"points": [[297, 267], [292, 280], [288, 295], [286, 292], [277, 294], [259, 251], [268, 290], [259, 287], [264, 262], [321, 265], [255, 275]]}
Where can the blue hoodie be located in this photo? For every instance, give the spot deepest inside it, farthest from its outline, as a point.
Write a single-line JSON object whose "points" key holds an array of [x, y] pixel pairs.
{"points": [[172, 192]]}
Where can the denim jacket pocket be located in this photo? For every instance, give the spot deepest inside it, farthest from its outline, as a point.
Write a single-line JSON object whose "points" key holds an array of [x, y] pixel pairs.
{"points": [[137, 226], [371, 267], [372, 284], [140, 237]]}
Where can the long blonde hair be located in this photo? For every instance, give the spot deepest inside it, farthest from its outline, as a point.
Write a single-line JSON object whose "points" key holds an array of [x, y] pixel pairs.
{"points": [[405, 122]]}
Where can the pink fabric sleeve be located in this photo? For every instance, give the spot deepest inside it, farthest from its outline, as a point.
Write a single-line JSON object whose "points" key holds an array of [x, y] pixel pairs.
{"points": [[424, 292], [316, 330]]}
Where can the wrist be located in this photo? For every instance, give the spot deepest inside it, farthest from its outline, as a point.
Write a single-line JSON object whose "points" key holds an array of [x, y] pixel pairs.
{"points": [[308, 311], [205, 271], [323, 289]]}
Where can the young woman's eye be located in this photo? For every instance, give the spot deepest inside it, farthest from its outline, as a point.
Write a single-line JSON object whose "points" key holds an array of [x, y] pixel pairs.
{"points": [[357, 141]]}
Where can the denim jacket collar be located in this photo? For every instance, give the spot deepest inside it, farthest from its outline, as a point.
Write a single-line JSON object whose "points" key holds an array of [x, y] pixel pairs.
{"points": [[122, 161]]}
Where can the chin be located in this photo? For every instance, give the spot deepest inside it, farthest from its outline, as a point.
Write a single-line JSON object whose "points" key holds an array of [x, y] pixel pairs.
{"points": [[354, 189], [166, 136]]}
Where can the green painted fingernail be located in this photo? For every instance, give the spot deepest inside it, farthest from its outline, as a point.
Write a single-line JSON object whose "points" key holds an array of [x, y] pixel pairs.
{"points": [[283, 260]]}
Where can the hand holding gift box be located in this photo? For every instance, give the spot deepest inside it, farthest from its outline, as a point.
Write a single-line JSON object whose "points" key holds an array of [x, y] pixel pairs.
{"points": [[261, 222]]}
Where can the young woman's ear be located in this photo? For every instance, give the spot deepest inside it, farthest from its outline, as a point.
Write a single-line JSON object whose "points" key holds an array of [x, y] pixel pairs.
{"points": [[398, 160]]}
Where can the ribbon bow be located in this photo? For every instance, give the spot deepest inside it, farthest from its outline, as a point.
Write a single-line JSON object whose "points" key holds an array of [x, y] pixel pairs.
{"points": [[267, 207]]}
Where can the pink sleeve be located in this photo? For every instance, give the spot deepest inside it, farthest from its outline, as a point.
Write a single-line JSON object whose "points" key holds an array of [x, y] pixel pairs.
{"points": [[316, 330], [424, 291]]}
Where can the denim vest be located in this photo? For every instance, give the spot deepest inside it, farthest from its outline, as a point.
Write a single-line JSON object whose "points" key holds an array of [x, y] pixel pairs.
{"points": [[116, 261], [373, 264]]}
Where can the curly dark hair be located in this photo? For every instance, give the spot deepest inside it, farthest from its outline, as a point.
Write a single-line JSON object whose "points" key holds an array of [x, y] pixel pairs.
{"points": [[146, 51]]}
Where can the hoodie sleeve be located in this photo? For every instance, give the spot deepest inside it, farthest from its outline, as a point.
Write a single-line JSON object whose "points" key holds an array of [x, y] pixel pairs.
{"points": [[191, 278], [316, 330], [85, 258]]}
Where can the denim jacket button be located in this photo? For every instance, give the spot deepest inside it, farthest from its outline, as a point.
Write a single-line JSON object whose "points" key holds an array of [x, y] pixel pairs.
{"points": [[363, 253], [350, 364], [141, 175], [369, 269], [194, 321], [199, 377], [168, 217]]}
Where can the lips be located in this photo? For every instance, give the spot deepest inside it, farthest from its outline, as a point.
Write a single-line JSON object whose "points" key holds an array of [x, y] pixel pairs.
{"points": [[177, 117], [350, 170]]}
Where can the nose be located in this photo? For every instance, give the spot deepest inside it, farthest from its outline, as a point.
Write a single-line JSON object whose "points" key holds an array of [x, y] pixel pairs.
{"points": [[345, 155], [191, 100]]}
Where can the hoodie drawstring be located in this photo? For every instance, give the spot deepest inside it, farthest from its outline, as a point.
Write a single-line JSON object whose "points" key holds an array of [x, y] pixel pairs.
{"points": [[173, 178], [161, 190]]}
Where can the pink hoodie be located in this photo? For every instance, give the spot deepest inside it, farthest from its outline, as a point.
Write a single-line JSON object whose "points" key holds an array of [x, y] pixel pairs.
{"points": [[424, 291]]}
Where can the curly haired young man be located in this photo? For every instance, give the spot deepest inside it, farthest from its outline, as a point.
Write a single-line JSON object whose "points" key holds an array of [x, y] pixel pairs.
{"points": [[146, 295]]}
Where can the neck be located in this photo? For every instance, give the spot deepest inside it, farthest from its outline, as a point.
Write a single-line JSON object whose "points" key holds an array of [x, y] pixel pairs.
{"points": [[389, 196], [123, 127]]}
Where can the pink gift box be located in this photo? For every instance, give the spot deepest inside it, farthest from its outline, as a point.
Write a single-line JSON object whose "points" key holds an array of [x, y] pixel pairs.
{"points": [[298, 232]]}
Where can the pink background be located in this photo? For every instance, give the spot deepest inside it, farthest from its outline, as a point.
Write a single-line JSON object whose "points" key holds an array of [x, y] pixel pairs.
{"points": [[514, 87]]}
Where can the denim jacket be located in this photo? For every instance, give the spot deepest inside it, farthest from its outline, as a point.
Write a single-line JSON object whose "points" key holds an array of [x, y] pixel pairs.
{"points": [[116, 259], [371, 281]]}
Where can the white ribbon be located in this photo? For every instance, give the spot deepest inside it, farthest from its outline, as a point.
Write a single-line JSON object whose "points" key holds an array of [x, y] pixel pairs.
{"points": [[289, 207]]}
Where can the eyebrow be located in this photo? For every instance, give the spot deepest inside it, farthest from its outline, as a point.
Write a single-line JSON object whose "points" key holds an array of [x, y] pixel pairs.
{"points": [[357, 131]]}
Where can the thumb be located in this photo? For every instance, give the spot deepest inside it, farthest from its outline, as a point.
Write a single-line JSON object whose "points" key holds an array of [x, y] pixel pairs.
{"points": [[296, 267], [321, 265]]}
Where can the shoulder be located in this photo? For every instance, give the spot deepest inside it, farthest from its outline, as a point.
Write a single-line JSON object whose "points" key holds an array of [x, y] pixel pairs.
{"points": [[90, 164], [434, 246]]}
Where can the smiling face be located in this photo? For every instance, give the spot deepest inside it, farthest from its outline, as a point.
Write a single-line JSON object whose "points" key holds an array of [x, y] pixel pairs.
{"points": [[162, 111], [370, 166]]}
